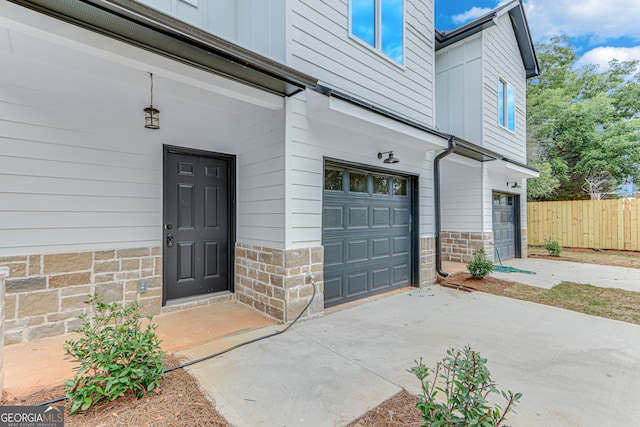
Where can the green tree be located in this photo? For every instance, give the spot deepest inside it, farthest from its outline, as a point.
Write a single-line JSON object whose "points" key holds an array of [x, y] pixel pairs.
{"points": [[583, 125]]}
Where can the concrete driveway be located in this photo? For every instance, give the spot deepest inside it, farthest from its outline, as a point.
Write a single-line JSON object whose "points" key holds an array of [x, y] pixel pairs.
{"points": [[550, 273], [573, 369]]}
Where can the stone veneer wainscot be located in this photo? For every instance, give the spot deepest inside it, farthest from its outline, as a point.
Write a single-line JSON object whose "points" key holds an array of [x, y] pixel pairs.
{"points": [[46, 293], [460, 246]]}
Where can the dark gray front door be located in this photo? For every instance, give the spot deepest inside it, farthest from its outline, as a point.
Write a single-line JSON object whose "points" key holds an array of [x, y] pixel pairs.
{"points": [[197, 240], [366, 234], [504, 226]]}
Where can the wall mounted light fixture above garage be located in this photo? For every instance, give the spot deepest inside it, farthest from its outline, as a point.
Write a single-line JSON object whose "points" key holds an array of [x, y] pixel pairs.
{"points": [[151, 115], [390, 159], [513, 184]]}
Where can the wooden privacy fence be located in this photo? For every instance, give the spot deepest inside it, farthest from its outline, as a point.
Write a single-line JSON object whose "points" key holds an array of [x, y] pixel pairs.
{"points": [[603, 224]]}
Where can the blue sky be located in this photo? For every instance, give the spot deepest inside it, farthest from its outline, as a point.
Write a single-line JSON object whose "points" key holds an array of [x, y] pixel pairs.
{"points": [[601, 30]]}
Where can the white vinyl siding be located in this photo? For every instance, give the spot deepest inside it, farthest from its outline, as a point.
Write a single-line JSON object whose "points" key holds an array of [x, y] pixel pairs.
{"points": [[78, 170], [461, 194], [260, 193], [502, 60], [320, 45], [309, 142], [257, 25]]}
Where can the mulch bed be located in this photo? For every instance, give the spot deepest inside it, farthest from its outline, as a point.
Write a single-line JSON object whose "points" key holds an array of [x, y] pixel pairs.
{"points": [[179, 401], [488, 284], [398, 411]]}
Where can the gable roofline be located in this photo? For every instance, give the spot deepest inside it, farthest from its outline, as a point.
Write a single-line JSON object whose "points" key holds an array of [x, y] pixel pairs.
{"points": [[515, 9]]}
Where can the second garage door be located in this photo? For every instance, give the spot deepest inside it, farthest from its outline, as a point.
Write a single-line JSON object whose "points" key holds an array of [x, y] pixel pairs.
{"points": [[504, 226], [366, 233]]}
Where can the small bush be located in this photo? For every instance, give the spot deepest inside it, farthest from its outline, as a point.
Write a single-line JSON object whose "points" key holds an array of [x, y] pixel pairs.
{"points": [[480, 265], [465, 381], [115, 355], [553, 247]]}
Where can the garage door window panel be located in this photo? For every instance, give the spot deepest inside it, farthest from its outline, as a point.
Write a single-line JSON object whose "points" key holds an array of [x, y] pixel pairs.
{"points": [[358, 183], [380, 185], [333, 180]]}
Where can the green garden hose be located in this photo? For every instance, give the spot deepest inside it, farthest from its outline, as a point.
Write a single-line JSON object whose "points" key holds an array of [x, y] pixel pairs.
{"points": [[508, 269]]}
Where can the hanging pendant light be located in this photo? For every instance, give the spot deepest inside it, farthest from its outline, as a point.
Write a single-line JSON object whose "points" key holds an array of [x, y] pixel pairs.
{"points": [[151, 115]]}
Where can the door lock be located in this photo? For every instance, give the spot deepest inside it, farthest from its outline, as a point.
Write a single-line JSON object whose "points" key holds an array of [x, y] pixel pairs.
{"points": [[169, 241]]}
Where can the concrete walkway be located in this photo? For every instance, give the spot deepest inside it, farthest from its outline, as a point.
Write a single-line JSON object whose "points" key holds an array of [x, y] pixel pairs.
{"points": [[550, 273], [573, 369]]}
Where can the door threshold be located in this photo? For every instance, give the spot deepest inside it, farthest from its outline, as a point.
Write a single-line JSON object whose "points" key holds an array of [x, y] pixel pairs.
{"points": [[198, 300]]}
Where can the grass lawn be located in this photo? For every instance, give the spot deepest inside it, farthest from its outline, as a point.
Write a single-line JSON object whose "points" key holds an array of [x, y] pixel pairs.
{"points": [[591, 256], [615, 304]]}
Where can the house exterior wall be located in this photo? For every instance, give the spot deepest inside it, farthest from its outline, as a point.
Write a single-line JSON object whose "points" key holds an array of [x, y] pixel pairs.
{"points": [[502, 59], [467, 76], [4, 272], [461, 195], [257, 25], [81, 180], [310, 140], [79, 171], [459, 77], [320, 45]]}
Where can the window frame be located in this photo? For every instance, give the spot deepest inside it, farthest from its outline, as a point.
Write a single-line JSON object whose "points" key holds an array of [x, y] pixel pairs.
{"points": [[504, 91], [377, 48]]}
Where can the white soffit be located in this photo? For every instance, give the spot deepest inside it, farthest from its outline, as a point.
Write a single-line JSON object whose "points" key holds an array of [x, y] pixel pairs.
{"points": [[337, 112], [512, 171], [22, 20]]}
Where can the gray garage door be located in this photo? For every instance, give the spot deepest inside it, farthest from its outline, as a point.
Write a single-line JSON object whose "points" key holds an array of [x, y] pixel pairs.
{"points": [[504, 226], [366, 233]]}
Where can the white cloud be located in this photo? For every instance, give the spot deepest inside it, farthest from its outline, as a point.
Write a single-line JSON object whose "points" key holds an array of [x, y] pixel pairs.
{"points": [[598, 19], [470, 15], [475, 12], [603, 55]]}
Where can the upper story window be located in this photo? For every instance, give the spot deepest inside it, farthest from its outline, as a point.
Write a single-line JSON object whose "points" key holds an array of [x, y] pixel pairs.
{"points": [[506, 105], [380, 24]]}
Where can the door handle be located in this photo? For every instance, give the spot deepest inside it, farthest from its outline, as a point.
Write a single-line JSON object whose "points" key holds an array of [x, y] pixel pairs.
{"points": [[169, 241]]}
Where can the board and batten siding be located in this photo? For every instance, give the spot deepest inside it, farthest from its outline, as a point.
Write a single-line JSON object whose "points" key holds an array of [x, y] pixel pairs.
{"points": [[459, 89], [502, 59], [461, 194], [78, 171], [309, 142], [257, 25], [320, 45]]}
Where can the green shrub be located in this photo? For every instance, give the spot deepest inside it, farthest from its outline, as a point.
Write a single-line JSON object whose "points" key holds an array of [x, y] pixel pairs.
{"points": [[480, 265], [465, 381], [115, 353], [553, 247]]}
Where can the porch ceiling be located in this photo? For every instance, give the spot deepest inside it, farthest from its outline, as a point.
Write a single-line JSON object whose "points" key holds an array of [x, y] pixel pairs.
{"points": [[110, 80], [148, 28]]}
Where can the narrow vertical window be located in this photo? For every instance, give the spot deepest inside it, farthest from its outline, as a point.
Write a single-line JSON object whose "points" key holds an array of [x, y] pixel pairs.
{"points": [[380, 24], [506, 105], [363, 19]]}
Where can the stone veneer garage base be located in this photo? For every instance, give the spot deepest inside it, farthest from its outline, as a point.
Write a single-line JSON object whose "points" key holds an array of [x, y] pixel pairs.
{"points": [[427, 261], [278, 281]]}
